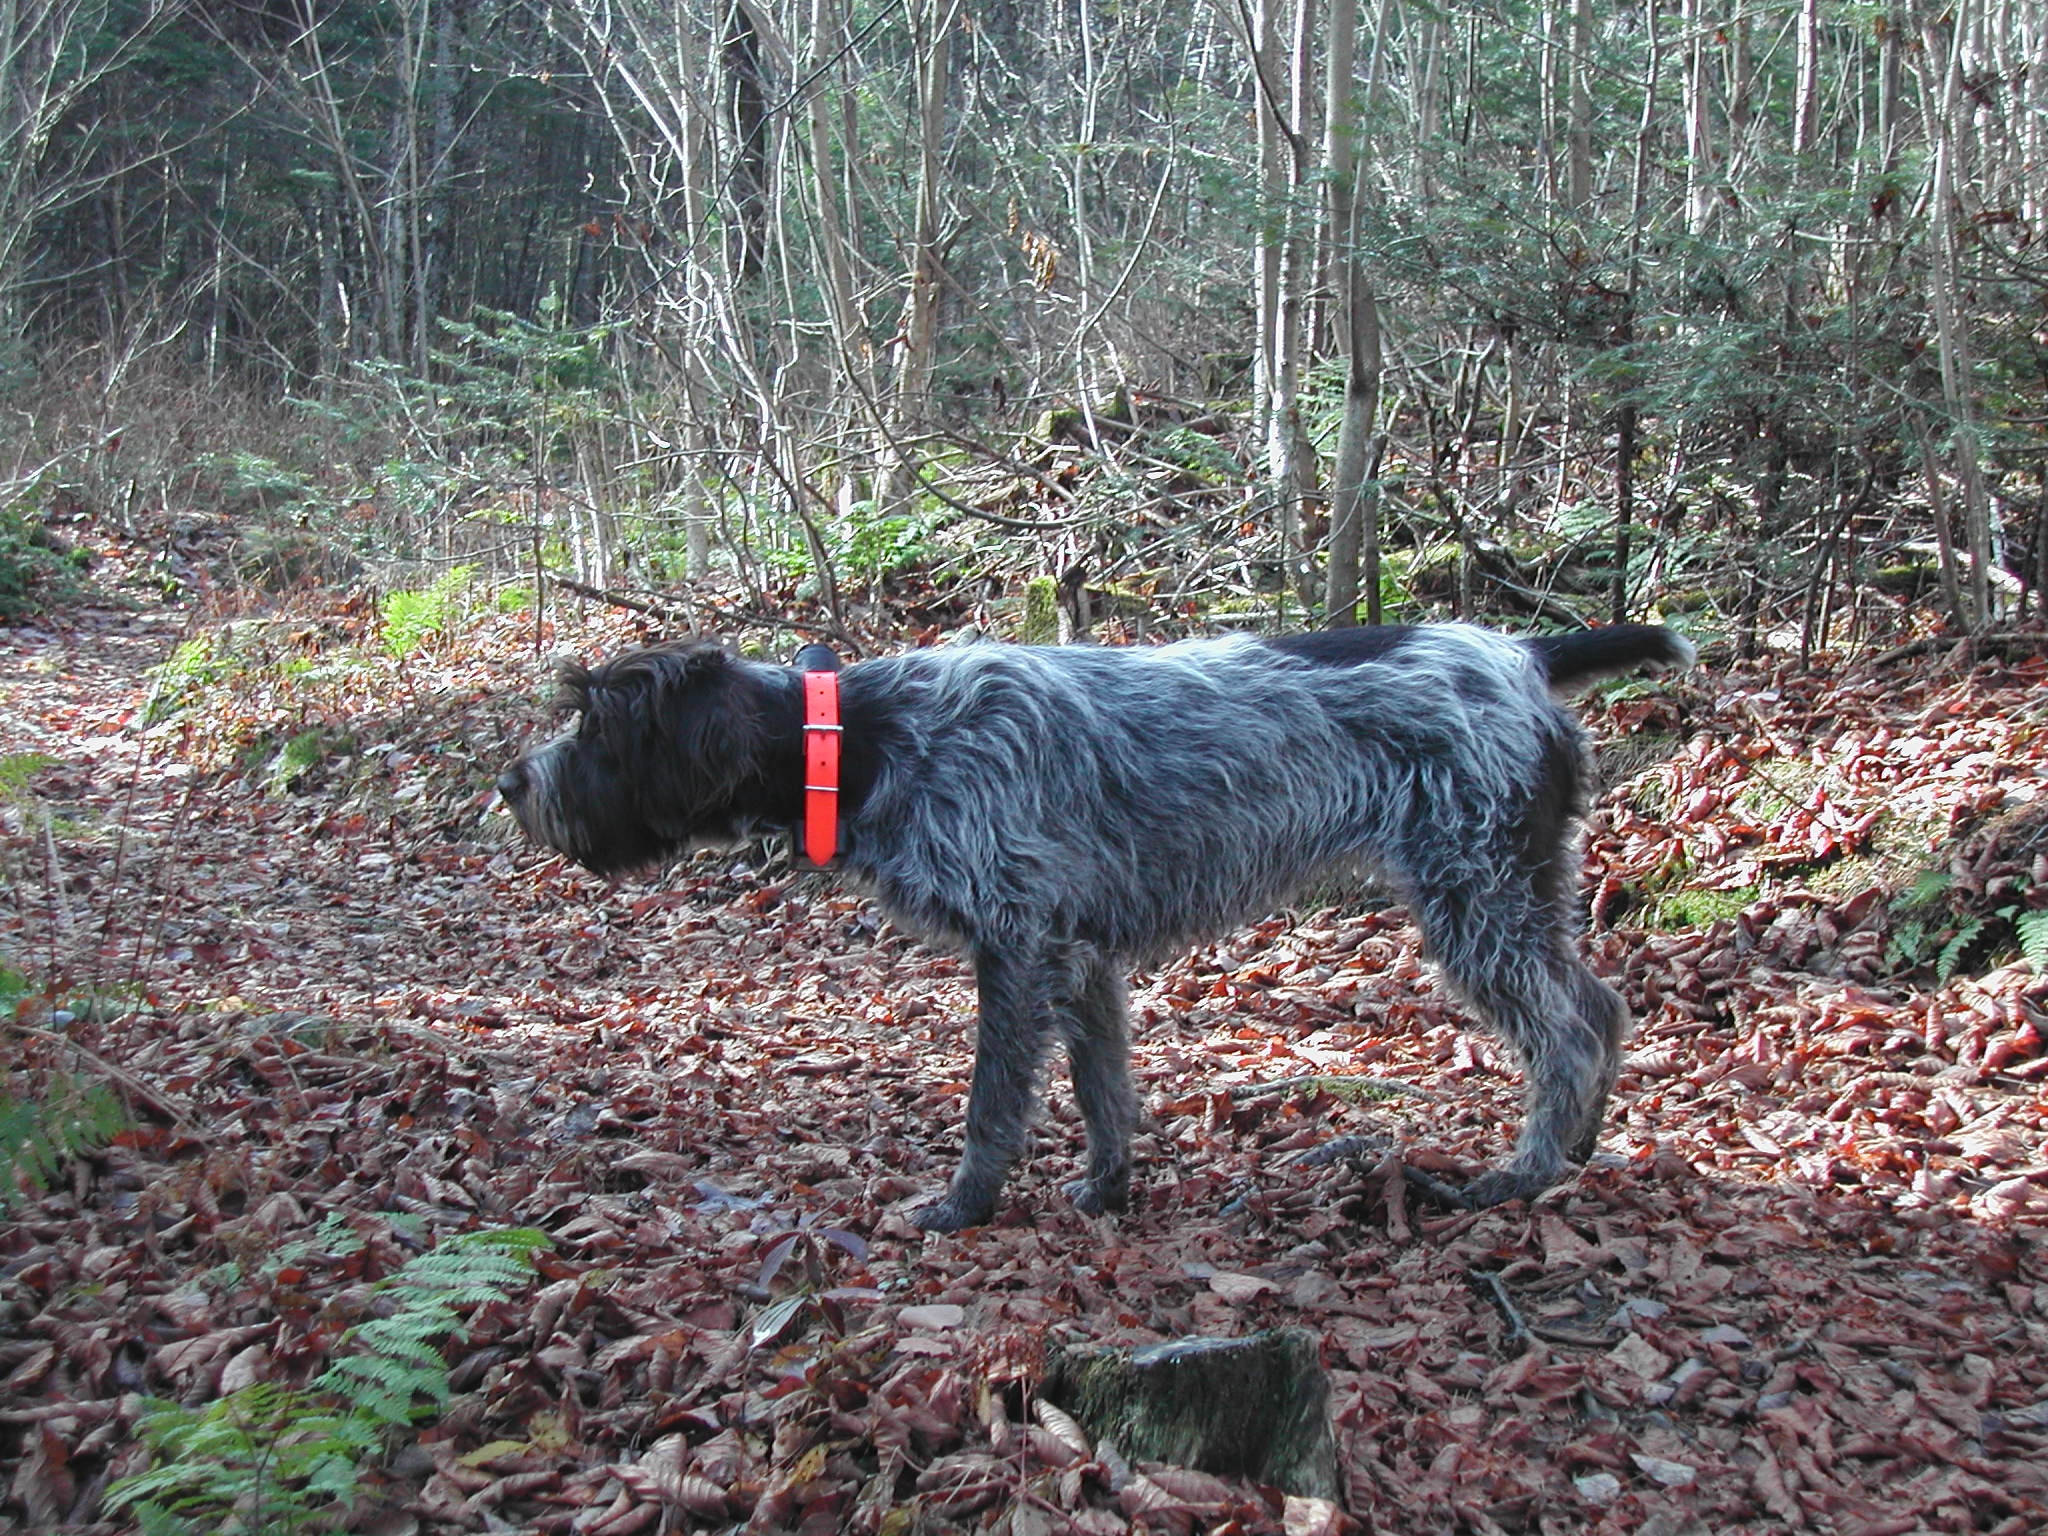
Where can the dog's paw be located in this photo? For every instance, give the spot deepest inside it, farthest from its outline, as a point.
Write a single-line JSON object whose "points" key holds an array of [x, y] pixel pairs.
{"points": [[1432, 1190], [1484, 1192], [1098, 1197], [950, 1214]]}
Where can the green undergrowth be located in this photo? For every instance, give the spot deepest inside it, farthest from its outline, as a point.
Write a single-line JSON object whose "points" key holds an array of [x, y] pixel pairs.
{"points": [[284, 700], [1930, 929], [1930, 932], [39, 573], [18, 770], [48, 1121], [412, 616]]}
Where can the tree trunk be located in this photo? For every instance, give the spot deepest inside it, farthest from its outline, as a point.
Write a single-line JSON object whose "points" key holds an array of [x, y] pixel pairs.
{"points": [[1626, 413], [746, 83], [1699, 130], [1579, 133], [932, 25], [1354, 519], [849, 328], [1283, 273], [1943, 97], [1270, 255], [1806, 97]]}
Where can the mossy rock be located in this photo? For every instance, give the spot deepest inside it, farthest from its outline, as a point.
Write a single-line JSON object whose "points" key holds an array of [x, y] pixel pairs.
{"points": [[1906, 579], [275, 559], [1069, 424]]}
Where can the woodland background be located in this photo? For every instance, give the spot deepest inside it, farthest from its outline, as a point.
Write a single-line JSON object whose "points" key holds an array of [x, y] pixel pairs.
{"points": [[361, 1169], [1733, 308]]}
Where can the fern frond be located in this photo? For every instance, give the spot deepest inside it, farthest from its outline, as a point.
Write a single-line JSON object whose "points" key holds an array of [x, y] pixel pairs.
{"points": [[493, 1261], [1908, 946], [394, 1361], [1927, 889], [386, 1388], [2032, 928], [1952, 953], [252, 1455]]}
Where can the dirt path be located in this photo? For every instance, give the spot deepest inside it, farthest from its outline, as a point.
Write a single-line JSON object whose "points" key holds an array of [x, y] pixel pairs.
{"points": [[1801, 1288]]}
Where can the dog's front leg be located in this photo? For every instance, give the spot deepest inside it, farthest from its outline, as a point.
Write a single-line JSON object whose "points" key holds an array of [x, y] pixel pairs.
{"points": [[1009, 1044]]}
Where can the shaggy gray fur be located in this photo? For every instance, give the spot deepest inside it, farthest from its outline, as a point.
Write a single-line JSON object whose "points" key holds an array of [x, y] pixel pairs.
{"points": [[1063, 813]]}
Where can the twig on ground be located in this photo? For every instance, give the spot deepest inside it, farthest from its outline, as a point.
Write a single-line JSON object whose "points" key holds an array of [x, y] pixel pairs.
{"points": [[1491, 1286], [620, 600], [1364, 1153], [124, 1080], [1335, 1082]]}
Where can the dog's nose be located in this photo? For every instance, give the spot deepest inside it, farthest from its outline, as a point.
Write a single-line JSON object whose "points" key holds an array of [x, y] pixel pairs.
{"points": [[512, 782]]}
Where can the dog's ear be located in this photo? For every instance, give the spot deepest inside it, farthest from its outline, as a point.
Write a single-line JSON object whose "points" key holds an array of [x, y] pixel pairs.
{"points": [[688, 712], [572, 685], [643, 681]]}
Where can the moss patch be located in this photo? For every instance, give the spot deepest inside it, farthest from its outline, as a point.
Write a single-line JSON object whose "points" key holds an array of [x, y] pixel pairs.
{"points": [[1683, 910]]}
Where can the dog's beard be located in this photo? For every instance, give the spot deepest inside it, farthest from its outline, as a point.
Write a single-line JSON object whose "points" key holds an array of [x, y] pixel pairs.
{"points": [[582, 811]]}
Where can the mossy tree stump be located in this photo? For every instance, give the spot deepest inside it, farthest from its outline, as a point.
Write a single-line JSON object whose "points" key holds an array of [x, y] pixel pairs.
{"points": [[1254, 1407]]}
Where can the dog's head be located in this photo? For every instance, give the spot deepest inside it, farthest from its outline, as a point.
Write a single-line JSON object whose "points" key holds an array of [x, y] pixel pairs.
{"points": [[664, 741]]}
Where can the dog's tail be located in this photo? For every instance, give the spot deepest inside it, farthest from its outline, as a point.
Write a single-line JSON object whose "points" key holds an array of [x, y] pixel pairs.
{"points": [[1571, 661]]}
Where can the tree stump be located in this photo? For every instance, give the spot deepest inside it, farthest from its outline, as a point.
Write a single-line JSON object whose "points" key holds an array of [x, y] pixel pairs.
{"points": [[1254, 1407]]}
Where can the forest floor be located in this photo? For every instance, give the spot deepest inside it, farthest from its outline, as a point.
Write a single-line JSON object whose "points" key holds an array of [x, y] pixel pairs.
{"points": [[1801, 1287]]}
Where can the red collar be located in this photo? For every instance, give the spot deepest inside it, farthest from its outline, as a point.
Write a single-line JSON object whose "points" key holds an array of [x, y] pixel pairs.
{"points": [[821, 766]]}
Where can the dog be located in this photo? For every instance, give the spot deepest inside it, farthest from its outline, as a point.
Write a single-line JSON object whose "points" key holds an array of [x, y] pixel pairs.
{"points": [[1065, 813]]}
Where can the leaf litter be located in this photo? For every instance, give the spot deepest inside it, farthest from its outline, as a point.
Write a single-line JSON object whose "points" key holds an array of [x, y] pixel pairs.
{"points": [[1800, 1288]]}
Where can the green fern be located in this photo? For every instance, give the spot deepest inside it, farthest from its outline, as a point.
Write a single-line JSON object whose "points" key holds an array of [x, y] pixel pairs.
{"points": [[17, 769], [198, 664], [396, 1360], [269, 1458], [2032, 928], [260, 1459], [1952, 953], [333, 1237], [1927, 889], [39, 1136]]}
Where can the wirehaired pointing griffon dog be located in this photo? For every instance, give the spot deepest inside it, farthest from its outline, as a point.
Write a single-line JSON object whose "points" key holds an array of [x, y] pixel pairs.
{"points": [[1064, 813]]}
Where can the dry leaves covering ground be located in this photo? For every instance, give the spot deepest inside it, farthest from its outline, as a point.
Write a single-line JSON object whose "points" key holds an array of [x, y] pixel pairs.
{"points": [[1802, 1288]]}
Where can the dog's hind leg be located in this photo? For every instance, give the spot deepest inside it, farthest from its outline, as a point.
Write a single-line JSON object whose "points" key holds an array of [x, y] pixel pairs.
{"points": [[1009, 1045], [1095, 1023], [1510, 960], [1502, 923], [1604, 1011]]}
